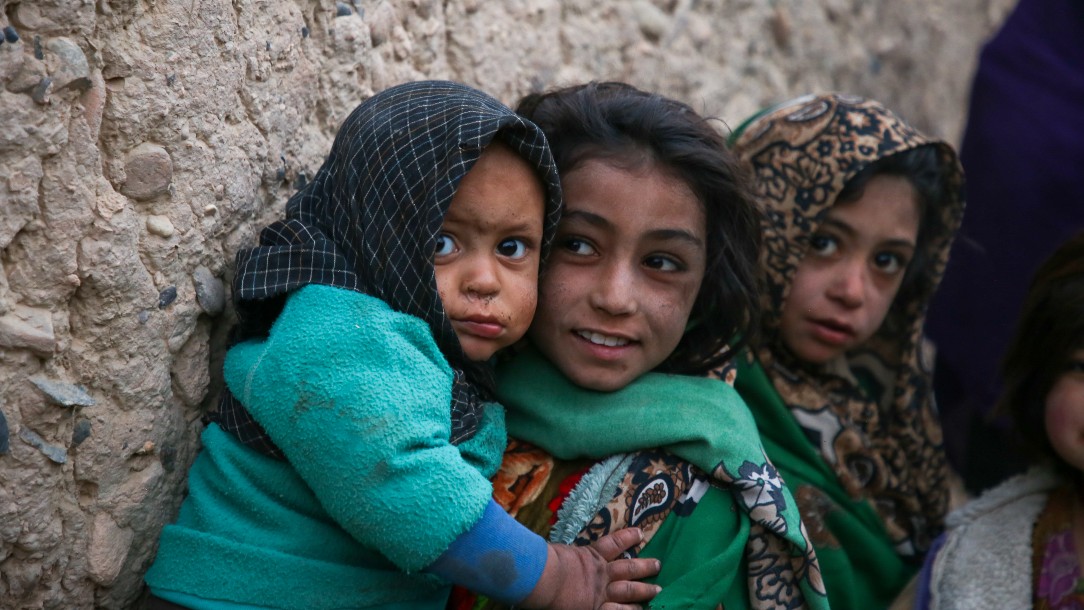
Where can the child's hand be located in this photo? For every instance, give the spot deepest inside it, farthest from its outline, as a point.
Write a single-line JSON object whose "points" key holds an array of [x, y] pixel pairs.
{"points": [[593, 578], [624, 574]]}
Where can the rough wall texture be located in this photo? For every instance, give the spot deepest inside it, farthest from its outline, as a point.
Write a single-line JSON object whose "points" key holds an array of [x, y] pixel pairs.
{"points": [[142, 142]]}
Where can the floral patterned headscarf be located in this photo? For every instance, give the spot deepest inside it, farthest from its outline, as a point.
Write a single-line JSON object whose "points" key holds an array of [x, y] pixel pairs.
{"points": [[885, 446]]}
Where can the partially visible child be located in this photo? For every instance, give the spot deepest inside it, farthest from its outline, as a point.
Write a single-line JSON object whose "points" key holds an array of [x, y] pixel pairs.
{"points": [[348, 465], [651, 278], [860, 211], [1019, 545]]}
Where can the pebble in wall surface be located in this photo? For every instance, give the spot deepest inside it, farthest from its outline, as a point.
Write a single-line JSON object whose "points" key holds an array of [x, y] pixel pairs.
{"points": [[210, 292], [166, 297], [81, 432], [4, 434], [64, 394], [40, 93], [72, 69], [160, 226], [28, 327], [54, 453], [148, 172]]}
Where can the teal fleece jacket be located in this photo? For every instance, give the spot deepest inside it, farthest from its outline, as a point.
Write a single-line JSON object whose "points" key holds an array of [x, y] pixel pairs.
{"points": [[356, 396]]}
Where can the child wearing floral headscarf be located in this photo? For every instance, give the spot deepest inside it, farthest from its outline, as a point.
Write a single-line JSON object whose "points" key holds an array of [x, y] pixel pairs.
{"points": [[348, 464], [860, 210]]}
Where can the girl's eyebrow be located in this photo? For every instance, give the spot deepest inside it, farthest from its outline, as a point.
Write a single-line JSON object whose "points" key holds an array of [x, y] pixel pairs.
{"points": [[660, 234], [592, 219], [679, 234], [840, 226]]}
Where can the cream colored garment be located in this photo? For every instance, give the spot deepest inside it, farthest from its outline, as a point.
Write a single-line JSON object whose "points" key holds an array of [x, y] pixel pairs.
{"points": [[986, 559]]}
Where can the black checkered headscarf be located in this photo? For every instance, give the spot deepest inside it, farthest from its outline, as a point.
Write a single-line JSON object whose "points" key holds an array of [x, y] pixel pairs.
{"points": [[368, 222]]}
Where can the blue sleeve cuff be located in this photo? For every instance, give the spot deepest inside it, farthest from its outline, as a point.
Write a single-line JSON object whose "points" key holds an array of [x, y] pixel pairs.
{"points": [[497, 557]]}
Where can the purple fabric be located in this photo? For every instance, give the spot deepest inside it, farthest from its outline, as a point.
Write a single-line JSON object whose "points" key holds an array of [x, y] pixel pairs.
{"points": [[1023, 153], [922, 592]]}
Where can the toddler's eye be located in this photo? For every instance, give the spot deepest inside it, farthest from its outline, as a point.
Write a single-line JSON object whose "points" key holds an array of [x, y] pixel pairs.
{"points": [[577, 246], [889, 262], [512, 248], [445, 245], [823, 245]]}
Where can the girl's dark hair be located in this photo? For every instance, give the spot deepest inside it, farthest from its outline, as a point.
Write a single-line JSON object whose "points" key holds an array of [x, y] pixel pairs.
{"points": [[922, 167], [615, 122], [1050, 329]]}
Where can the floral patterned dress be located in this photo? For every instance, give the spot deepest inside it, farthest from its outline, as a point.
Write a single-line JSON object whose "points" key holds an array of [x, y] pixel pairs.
{"points": [[678, 457], [1058, 584]]}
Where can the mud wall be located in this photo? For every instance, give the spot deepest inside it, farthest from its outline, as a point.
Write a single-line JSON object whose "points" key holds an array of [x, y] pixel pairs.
{"points": [[142, 142]]}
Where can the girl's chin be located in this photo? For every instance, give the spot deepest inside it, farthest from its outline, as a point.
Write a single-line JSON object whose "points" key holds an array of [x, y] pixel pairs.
{"points": [[816, 353]]}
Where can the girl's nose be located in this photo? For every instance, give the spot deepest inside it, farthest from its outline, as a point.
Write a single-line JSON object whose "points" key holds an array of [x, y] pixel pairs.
{"points": [[615, 292], [848, 285]]}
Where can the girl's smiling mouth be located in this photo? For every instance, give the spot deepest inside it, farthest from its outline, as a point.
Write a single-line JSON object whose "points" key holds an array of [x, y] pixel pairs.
{"points": [[597, 338]]}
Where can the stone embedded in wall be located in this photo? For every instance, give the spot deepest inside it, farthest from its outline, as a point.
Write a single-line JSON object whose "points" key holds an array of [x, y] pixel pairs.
{"points": [[11, 62], [167, 296], [55, 17], [210, 292], [30, 328], [81, 431], [653, 22], [108, 549], [382, 21], [64, 394], [5, 434], [71, 68], [148, 172], [56, 454], [40, 92], [27, 73], [160, 226]]}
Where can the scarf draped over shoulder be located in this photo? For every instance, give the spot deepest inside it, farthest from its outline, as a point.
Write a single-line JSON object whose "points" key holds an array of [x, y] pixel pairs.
{"points": [[368, 222], [702, 421]]}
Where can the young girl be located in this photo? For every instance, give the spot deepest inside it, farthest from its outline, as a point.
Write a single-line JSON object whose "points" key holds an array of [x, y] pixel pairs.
{"points": [[1019, 545], [653, 269], [335, 475], [860, 210]]}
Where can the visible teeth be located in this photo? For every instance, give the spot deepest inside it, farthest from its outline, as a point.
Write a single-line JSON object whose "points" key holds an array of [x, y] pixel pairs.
{"points": [[600, 339]]}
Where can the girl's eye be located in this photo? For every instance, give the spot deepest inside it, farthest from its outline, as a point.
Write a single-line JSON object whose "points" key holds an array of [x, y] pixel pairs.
{"points": [[889, 262], [823, 245], [445, 245], [578, 246], [512, 248], [1076, 362], [663, 263]]}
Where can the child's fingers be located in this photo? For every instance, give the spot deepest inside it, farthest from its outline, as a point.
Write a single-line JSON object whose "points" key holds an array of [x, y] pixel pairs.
{"points": [[632, 569], [612, 545], [630, 592]]}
